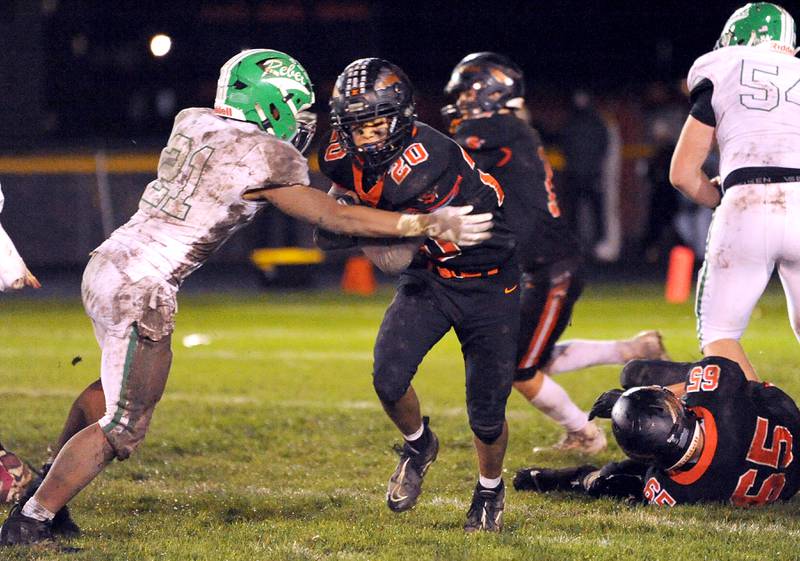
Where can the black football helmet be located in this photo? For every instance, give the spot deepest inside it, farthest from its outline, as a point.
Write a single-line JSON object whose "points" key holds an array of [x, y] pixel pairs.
{"points": [[497, 81], [370, 88], [652, 426]]}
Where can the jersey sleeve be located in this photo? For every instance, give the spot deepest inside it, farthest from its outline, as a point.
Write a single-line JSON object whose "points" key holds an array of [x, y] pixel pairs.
{"points": [[700, 98], [713, 379], [271, 164], [700, 82], [774, 403]]}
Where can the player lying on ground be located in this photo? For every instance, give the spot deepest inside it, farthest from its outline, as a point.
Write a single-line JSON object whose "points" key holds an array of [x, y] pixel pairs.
{"points": [[487, 90], [745, 95], [13, 272], [219, 169], [727, 440], [381, 156]]}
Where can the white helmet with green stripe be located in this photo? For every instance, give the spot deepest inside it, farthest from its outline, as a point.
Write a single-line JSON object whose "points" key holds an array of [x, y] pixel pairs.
{"points": [[757, 23], [270, 89]]}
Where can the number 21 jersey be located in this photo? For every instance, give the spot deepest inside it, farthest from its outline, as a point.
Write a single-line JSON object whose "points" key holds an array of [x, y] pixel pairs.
{"points": [[195, 204]]}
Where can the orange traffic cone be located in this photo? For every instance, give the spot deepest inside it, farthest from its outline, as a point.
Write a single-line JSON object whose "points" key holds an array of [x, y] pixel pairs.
{"points": [[679, 274], [358, 277]]}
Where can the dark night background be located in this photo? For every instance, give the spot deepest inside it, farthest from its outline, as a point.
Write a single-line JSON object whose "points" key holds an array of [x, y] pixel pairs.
{"points": [[80, 71], [79, 82]]}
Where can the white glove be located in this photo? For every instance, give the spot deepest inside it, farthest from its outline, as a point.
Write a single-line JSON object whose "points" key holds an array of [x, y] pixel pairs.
{"points": [[456, 224]]}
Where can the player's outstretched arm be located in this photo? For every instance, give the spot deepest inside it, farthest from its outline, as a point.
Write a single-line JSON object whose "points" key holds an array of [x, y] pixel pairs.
{"points": [[686, 169], [453, 224], [14, 275]]}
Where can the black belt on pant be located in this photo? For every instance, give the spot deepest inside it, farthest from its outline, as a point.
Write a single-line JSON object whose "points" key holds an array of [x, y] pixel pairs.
{"points": [[447, 273], [759, 175]]}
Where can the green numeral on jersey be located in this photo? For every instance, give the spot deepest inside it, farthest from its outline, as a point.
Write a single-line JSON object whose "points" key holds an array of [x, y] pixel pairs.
{"points": [[180, 170]]}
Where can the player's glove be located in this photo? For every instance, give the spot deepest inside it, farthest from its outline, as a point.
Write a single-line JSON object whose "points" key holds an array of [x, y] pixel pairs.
{"points": [[457, 225], [604, 404]]}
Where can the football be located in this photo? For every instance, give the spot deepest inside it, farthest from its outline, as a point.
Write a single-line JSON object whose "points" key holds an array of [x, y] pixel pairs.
{"points": [[392, 256]]}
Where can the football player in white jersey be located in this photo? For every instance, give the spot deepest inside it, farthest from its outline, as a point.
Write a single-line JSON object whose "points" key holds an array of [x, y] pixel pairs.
{"points": [[219, 169], [746, 95], [13, 272]]}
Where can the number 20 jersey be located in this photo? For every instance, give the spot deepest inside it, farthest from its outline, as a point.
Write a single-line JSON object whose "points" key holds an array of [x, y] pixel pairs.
{"points": [[756, 104], [431, 172], [195, 204], [751, 449]]}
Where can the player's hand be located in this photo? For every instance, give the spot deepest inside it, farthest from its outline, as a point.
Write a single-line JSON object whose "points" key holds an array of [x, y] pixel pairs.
{"points": [[456, 224], [604, 404], [31, 281]]}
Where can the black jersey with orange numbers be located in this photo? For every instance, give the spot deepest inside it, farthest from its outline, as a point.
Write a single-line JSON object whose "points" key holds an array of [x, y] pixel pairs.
{"points": [[510, 150], [431, 172], [750, 455]]}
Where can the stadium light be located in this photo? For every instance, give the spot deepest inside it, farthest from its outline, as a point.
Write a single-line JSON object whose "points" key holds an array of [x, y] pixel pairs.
{"points": [[160, 44]]}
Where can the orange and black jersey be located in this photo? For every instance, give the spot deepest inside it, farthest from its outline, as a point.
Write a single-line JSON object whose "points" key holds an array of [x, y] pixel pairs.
{"points": [[506, 147], [750, 455], [431, 172]]}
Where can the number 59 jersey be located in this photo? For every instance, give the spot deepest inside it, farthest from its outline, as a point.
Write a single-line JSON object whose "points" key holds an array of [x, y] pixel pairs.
{"points": [[751, 432], [195, 204], [754, 95]]}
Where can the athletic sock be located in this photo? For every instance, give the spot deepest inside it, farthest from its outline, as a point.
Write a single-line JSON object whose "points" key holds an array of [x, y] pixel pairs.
{"points": [[582, 353], [33, 509], [419, 439], [554, 402], [487, 483]]}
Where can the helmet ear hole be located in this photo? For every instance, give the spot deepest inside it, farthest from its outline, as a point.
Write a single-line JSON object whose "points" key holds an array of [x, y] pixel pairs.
{"points": [[239, 85]]}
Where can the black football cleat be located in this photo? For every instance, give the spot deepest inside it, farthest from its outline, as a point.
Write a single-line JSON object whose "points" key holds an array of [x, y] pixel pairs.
{"points": [[62, 525], [19, 529], [405, 485], [486, 511], [542, 480]]}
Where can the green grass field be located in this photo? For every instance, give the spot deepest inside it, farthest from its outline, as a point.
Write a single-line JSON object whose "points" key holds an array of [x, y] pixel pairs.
{"points": [[270, 444]]}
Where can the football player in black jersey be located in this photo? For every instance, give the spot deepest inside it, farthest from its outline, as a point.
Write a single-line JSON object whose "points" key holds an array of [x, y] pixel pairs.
{"points": [[379, 155], [727, 440], [487, 90]]}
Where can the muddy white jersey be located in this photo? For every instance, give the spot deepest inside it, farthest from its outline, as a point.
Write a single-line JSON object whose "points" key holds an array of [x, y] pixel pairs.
{"points": [[195, 204], [756, 102]]}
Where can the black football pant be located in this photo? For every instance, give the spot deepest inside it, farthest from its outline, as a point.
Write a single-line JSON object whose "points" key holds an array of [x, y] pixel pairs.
{"points": [[485, 315], [548, 295]]}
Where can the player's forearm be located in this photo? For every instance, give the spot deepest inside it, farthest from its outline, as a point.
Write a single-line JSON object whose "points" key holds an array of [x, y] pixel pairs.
{"points": [[697, 186], [686, 168], [321, 210]]}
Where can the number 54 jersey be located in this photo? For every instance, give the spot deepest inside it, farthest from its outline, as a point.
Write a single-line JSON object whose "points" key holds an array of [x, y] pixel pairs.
{"points": [[751, 429], [752, 96], [195, 204]]}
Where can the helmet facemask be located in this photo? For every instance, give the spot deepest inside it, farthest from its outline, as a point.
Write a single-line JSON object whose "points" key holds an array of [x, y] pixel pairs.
{"points": [[267, 88], [653, 426], [356, 102], [484, 83]]}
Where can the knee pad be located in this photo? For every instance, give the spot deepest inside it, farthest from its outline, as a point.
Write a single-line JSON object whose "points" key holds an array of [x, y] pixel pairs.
{"points": [[487, 433], [389, 384], [125, 437], [133, 401]]}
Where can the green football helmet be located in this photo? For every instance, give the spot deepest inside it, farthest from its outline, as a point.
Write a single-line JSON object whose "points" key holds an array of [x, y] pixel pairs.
{"points": [[267, 88], [756, 23]]}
